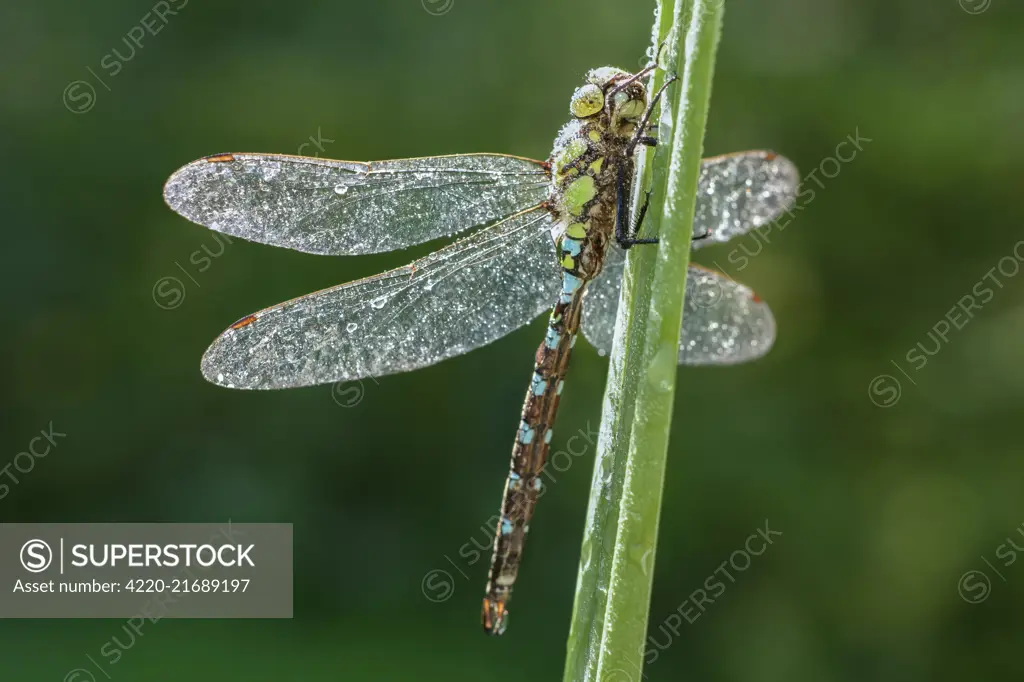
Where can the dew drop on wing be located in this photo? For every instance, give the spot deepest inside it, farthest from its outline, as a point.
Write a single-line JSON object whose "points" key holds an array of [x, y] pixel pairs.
{"points": [[351, 327], [379, 302], [354, 177]]}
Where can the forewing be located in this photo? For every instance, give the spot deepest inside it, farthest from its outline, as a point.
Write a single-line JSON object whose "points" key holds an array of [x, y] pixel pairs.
{"points": [[458, 298], [739, 192], [346, 207], [724, 322]]}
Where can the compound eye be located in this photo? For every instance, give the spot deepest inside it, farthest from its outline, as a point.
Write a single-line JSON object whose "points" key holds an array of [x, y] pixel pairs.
{"points": [[586, 101], [628, 109]]}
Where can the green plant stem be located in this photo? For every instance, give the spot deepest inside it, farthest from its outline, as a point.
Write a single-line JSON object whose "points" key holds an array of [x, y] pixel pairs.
{"points": [[613, 590]]}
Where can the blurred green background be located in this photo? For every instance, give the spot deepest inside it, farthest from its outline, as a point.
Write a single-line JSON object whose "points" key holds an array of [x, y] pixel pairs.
{"points": [[889, 482]]}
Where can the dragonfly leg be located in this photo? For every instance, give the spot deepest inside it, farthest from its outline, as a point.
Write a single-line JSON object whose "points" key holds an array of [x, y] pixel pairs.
{"points": [[627, 238], [622, 208], [707, 233]]}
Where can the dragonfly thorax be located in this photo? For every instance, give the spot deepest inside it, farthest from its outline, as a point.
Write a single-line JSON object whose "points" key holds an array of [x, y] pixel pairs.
{"points": [[588, 157]]}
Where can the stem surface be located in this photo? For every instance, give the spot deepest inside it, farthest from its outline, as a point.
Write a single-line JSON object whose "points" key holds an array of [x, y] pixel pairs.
{"points": [[613, 589]]}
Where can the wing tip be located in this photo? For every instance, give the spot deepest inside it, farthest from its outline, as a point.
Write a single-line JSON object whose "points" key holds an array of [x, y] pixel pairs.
{"points": [[211, 368], [756, 313], [788, 170], [786, 175], [212, 365], [767, 319], [173, 183], [170, 190]]}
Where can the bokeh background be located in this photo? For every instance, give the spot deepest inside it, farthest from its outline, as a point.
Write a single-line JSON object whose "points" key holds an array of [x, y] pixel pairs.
{"points": [[890, 480]]}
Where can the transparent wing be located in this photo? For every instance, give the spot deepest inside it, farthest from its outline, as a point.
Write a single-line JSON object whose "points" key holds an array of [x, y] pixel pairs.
{"points": [[724, 322], [742, 191], [456, 299], [346, 207]]}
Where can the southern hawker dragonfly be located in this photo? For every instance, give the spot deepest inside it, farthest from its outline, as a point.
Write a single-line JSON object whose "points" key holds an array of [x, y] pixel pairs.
{"points": [[549, 235]]}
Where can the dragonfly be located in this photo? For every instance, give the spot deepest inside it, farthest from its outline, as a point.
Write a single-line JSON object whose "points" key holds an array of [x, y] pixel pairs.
{"points": [[541, 236]]}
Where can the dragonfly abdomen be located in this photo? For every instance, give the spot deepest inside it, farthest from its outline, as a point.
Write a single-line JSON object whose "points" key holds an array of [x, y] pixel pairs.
{"points": [[580, 245], [530, 451]]}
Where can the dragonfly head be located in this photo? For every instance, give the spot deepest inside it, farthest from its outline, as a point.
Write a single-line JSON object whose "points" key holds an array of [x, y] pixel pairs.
{"points": [[613, 93]]}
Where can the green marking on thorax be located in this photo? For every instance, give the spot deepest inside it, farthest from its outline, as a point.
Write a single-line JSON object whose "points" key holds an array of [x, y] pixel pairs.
{"points": [[576, 231], [573, 152], [578, 193]]}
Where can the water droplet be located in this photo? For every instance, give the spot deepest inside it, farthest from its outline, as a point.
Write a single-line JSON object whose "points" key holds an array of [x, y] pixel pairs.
{"points": [[378, 303], [340, 189], [351, 327]]}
